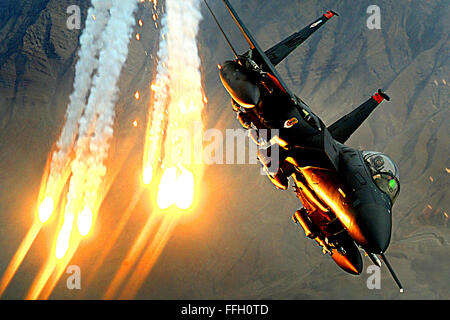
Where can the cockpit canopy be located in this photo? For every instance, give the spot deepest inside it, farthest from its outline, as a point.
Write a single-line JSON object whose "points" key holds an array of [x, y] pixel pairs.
{"points": [[384, 173]]}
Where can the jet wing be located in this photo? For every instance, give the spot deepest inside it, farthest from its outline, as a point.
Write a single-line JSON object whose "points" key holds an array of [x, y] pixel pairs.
{"points": [[277, 53]]}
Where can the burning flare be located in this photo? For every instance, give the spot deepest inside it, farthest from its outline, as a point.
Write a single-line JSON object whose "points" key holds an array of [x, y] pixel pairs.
{"points": [[185, 189], [176, 187], [46, 209], [147, 175], [84, 221], [63, 240], [167, 188]]}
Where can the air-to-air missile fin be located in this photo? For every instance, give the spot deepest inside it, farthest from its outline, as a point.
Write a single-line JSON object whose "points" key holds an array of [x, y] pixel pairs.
{"points": [[280, 51], [342, 129], [374, 259]]}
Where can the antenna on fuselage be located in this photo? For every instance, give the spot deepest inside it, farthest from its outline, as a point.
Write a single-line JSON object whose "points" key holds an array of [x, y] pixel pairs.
{"points": [[221, 30]]}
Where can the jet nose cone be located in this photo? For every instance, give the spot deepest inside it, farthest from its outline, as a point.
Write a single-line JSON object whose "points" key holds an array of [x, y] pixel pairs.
{"points": [[374, 223]]}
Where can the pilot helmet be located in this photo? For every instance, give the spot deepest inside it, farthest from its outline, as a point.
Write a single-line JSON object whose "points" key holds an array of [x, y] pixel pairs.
{"points": [[378, 161], [384, 173]]}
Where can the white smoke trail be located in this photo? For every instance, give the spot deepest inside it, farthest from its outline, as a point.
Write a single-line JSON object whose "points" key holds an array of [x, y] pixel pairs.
{"points": [[155, 130], [183, 18], [177, 185], [177, 91], [90, 45], [112, 60], [95, 126]]}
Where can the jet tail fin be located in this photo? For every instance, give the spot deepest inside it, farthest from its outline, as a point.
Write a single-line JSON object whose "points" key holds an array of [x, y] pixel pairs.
{"points": [[280, 51], [256, 49], [342, 129]]}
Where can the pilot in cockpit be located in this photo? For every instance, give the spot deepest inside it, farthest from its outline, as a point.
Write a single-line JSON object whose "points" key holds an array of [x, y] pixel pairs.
{"points": [[384, 173]]}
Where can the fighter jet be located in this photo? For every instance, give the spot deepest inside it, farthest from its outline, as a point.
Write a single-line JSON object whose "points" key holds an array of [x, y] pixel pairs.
{"points": [[346, 194]]}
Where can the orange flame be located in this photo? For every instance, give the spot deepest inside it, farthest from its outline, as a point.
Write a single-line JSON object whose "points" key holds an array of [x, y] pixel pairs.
{"points": [[84, 221], [176, 188], [46, 209], [63, 240], [147, 175]]}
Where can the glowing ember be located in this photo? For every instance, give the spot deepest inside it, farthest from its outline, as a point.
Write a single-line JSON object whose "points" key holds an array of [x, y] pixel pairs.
{"points": [[84, 221], [167, 187], [176, 188], [185, 189], [135, 123], [137, 95], [138, 36], [62, 242], [140, 23], [46, 209], [147, 175]]}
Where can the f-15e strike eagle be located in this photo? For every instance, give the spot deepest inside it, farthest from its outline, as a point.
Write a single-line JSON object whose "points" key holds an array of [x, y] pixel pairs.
{"points": [[347, 194]]}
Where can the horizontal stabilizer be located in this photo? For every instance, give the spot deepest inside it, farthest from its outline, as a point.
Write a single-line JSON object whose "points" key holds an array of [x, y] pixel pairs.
{"points": [[277, 53], [342, 129]]}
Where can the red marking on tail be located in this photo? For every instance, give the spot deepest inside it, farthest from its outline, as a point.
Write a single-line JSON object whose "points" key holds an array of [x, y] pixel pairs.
{"points": [[328, 15], [378, 98]]}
